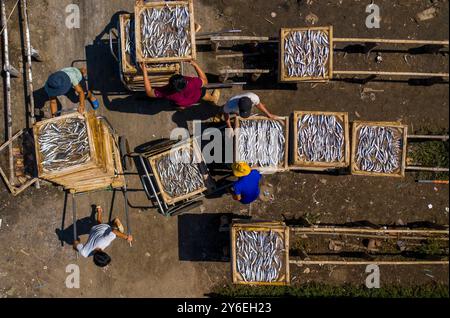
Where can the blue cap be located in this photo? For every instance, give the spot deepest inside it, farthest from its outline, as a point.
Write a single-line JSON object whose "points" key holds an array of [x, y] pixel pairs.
{"points": [[58, 84]]}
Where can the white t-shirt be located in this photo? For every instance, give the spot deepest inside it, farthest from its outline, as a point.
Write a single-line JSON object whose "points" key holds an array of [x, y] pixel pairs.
{"points": [[232, 106], [100, 237]]}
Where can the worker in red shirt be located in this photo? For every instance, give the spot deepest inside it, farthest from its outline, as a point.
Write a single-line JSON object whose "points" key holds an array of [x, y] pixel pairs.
{"points": [[184, 91]]}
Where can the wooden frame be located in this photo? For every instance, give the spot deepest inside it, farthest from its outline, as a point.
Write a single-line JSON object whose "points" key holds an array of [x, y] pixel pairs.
{"points": [[197, 154], [282, 70], [15, 190], [277, 227], [355, 141], [127, 68], [140, 6], [279, 168], [299, 164]]}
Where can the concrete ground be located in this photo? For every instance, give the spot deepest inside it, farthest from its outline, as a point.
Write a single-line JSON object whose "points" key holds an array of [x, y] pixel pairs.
{"points": [[183, 257]]}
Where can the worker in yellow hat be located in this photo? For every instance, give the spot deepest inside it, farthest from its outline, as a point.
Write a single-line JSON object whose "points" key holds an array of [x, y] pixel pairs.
{"points": [[246, 190]]}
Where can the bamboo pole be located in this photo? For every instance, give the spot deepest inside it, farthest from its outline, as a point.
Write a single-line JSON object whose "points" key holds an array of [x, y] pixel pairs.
{"points": [[411, 74], [29, 68], [391, 41], [6, 69], [379, 263], [352, 230]]}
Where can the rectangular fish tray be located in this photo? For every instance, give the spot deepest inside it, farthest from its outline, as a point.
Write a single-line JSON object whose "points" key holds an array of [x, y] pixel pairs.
{"points": [[282, 166], [140, 7], [261, 226], [192, 144], [402, 131], [298, 163], [284, 76]]}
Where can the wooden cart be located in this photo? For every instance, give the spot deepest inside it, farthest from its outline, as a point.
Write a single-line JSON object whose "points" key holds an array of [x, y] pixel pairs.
{"points": [[151, 180], [298, 163], [260, 226], [282, 166]]}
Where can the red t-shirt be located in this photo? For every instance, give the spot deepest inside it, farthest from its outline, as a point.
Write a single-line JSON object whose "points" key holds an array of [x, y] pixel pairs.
{"points": [[187, 97]]}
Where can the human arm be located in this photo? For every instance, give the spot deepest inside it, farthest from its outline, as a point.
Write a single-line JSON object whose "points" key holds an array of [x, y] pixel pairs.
{"points": [[80, 92], [266, 112], [200, 72], [148, 86], [128, 238], [53, 106], [228, 120]]}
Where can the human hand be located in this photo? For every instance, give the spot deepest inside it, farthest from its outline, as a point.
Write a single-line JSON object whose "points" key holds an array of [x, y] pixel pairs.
{"points": [[81, 109], [130, 238]]}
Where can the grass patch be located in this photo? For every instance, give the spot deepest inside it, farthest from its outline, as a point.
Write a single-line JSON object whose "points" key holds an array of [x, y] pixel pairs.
{"points": [[327, 291]]}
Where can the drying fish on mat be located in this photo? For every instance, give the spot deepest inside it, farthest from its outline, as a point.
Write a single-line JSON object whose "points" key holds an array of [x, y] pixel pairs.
{"points": [[307, 54], [165, 32], [262, 143], [259, 256], [64, 144], [179, 174], [379, 149], [320, 138]]}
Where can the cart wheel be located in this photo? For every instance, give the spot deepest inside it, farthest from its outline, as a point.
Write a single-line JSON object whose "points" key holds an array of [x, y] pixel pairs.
{"points": [[185, 208], [154, 146], [124, 148]]}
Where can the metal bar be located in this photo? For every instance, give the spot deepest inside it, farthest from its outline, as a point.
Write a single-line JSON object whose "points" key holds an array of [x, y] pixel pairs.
{"points": [[233, 55], [391, 41], [225, 85], [353, 230], [207, 35], [295, 262], [6, 69], [244, 71], [74, 216], [414, 168], [411, 74], [239, 38], [444, 138], [151, 184], [29, 68], [433, 181]]}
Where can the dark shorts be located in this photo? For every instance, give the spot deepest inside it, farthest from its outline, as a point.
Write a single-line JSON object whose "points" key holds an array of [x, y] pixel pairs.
{"points": [[83, 85]]}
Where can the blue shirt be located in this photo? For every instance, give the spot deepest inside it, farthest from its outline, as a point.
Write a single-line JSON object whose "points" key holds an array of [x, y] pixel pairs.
{"points": [[248, 187]]}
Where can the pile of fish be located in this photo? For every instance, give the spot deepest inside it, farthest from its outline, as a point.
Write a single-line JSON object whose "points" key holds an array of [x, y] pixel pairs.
{"points": [[262, 143], [165, 32], [379, 149], [320, 138], [259, 256], [307, 54], [179, 174], [64, 144]]}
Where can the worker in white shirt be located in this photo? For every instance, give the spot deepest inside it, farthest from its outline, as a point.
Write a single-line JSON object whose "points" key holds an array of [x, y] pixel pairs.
{"points": [[100, 237]]}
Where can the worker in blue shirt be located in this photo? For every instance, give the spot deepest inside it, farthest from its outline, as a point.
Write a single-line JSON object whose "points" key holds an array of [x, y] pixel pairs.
{"points": [[246, 189]]}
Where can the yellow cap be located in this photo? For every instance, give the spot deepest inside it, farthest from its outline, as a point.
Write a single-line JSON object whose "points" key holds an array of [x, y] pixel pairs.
{"points": [[241, 169]]}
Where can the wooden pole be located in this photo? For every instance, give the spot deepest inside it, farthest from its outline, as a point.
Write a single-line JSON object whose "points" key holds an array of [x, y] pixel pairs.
{"points": [[444, 138], [238, 38], [6, 69], [28, 54], [380, 263], [380, 73], [413, 168], [381, 237], [390, 41], [353, 230], [74, 217], [433, 181]]}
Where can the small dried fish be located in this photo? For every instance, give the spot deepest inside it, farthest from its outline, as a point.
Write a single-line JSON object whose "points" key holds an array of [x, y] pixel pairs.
{"points": [[379, 149], [165, 32], [307, 54], [64, 144], [262, 143], [320, 138], [259, 256], [179, 174]]}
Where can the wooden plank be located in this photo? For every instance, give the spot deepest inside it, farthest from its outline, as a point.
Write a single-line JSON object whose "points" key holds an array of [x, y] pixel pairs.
{"points": [[365, 230], [221, 38], [403, 129], [379, 263], [257, 226], [299, 164], [280, 168], [283, 77], [139, 7], [197, 153]]}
